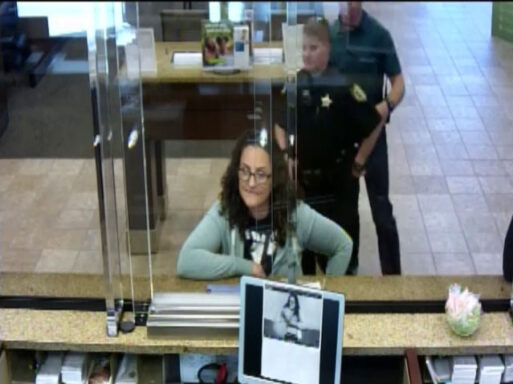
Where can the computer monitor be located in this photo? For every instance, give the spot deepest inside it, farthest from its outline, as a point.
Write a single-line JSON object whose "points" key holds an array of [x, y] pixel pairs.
{"points": [[289, 333]]}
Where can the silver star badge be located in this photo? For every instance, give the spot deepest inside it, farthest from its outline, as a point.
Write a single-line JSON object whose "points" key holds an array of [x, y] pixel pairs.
{"points": [[326, 101]]}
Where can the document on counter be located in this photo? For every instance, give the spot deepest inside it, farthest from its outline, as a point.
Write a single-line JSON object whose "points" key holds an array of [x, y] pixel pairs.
{"points": [[267, 55], [187, 59]]}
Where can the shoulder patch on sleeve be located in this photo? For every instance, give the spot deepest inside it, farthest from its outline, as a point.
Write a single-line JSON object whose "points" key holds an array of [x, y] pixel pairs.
{"points": [[358, 93]]}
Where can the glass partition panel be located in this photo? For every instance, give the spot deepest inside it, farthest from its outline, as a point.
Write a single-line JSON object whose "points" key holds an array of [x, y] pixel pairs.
{"points": [[217, 73], [50, 242]]}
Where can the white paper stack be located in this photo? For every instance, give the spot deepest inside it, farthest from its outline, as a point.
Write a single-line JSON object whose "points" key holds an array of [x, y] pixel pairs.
{"points": [[50, 372], [491, 369], [267, 55], [127, 372], [507, 377], [464, 370], [74, 368]]}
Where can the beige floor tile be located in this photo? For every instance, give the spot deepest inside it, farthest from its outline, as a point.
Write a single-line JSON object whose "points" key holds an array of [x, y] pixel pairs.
{"points": [[71, 239], [471, 203], [417, 264], [441, 221], [441, 125], [56, 261], [496, 184], [49, 202], [469, 124], [165, 263], [20, 200], [19, 260], [56, 184], [35, 166], [500, 202], [488, 168], [505, 151], [508, 166], [503, 221], [481, 152], [29, 238], [430, 184], [463, 184], [453, 264], [194, 167], [450, 242], [488, 263], [92, 240], [85, 183], [5, 182], [82, 200], [474, 222], [88, 262], [414, 241], [182, 220], [68, 167], [485, 242], [475, 137], [452, 138], [456, 167], [9, 166], [450, 152], [435, 203], [74, 219]]}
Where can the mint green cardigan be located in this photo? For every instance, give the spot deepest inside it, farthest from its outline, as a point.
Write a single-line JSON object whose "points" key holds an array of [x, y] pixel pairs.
{"points": [[214, 251]]}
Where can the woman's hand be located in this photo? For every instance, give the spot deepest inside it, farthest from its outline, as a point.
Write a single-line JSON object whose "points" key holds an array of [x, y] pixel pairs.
{"points": [[258, 271]]}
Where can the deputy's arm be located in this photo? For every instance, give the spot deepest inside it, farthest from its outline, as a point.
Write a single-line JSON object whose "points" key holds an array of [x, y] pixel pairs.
{"points": [[395, 96]]}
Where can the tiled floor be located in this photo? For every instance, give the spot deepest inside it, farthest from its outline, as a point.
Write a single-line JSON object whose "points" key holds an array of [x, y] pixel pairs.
{"points": [[450, 152]]}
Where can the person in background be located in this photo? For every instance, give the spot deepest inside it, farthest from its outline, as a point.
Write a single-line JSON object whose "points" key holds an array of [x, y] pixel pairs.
{"points": [[334, 119], [244, 233], [364, 53]]}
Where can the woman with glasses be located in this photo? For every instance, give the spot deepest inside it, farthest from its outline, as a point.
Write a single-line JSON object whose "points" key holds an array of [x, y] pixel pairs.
{"points": [[244, 232]]}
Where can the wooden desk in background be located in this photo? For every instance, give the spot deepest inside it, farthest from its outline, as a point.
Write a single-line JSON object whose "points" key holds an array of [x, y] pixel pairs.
{"points": [[188, 103]]}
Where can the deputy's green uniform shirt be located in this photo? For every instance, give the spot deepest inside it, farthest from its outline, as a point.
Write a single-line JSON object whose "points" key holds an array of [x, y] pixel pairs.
{"points": [[331, 117], [364, 55]]}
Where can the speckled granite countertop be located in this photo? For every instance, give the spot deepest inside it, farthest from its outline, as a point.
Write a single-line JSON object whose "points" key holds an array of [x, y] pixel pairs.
{"points": [[386, 334], [355, 288]]}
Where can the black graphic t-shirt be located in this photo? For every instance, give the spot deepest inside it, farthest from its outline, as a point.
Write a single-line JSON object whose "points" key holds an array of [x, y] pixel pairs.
{"points": [[260, 244]]}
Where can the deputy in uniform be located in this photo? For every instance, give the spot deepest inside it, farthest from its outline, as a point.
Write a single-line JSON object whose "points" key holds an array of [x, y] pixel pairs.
{"points": [[363, 51], [334, 119]]}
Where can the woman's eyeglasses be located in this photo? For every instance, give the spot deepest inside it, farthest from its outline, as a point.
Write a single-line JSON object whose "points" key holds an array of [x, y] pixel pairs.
{"points": [[260, 176]]}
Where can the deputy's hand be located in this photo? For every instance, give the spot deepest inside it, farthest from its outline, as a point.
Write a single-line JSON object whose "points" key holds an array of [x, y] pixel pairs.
{"points": [[358, 168], [382, 109], [257, 270]]}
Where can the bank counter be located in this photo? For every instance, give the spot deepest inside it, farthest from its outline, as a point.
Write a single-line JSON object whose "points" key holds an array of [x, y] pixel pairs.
{"points": [[390, 324]]}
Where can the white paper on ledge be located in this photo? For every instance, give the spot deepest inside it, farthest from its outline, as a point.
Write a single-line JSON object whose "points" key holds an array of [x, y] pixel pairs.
{"points": [[187, 59], [267, 55]]}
